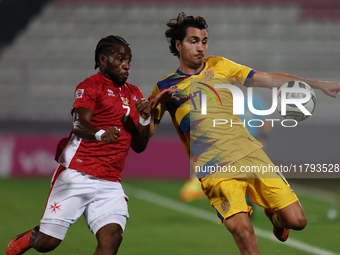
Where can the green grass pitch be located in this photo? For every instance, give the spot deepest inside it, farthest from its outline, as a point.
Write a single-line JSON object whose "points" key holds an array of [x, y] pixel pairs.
{"points": [[156, 229]]}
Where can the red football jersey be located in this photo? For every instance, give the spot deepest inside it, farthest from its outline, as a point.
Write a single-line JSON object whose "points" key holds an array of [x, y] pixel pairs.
{"points": [[112, 106]]}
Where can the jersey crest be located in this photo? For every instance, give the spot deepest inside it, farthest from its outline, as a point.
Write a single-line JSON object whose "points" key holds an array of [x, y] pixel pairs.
{"points": [[79, 93], [209, 74], [125, 100]]}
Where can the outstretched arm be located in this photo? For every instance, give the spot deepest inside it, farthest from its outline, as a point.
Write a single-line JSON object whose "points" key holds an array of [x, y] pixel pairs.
{"points": [[271, 80], [83, 128], [146, 126], [141, 135], [164, 96]]}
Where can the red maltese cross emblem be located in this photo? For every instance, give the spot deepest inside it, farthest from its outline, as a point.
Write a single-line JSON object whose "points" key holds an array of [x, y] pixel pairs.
{"points": [[55, 207]]}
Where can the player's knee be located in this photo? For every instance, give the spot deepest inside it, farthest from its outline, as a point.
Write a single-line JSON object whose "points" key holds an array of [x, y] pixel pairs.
{"points": [[297, 223], [117, 236], [112, 244], [110, 238], [301, 223]]}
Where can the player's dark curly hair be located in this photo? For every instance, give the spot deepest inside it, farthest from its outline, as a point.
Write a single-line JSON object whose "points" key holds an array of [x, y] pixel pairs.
{"points": [[178, 29], [105, 46]]}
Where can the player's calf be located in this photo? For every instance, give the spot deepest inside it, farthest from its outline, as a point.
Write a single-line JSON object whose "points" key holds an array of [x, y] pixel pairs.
{"points": [[245, 240], [243, 233], [42, 242]]}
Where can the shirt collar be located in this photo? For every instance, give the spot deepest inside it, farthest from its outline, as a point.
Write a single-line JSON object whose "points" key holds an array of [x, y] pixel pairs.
{"points": [[108, 80], [181, 73]]}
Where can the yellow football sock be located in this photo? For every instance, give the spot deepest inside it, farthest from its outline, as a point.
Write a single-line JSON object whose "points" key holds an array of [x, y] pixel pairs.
{"points": [[276, 221]]}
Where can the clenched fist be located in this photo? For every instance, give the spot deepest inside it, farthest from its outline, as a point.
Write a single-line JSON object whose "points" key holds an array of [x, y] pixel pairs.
{"points": [[110, 135], [143, 108]]}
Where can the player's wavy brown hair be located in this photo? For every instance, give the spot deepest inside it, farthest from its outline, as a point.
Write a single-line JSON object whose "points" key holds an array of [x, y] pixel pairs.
{"points": [[178, 29], [105, 46]]}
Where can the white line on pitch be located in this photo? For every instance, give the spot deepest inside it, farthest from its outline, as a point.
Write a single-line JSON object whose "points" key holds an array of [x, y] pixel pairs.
{"points": [[202, 214]]}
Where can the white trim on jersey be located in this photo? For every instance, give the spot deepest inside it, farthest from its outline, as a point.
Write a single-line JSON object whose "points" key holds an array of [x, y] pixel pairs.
{"points": [[69, 151]]}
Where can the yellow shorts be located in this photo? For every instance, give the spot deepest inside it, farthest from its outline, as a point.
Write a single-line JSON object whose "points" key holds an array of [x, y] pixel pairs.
{"points": [[267, 189]]}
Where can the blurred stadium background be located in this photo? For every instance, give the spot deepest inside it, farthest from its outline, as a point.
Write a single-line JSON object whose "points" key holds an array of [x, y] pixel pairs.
{"points": [[47, 48]]}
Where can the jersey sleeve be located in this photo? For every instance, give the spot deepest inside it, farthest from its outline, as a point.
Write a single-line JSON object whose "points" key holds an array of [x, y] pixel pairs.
{"points": [[241, 73], [160, 108], [85, 96]]}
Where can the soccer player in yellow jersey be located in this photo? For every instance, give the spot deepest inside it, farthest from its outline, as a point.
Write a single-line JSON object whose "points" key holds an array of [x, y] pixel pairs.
{"points": [[224, 145]]}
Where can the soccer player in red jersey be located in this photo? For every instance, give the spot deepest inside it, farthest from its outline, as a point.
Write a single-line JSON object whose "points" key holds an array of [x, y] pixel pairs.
{"points": [[109, 116]]}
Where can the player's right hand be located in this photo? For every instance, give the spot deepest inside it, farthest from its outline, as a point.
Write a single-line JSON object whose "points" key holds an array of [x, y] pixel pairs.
{"points": [[143, 108], [110, 135]]}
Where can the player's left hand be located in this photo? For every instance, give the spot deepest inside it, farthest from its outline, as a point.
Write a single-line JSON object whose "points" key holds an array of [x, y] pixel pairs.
{"points": [[164, 96], [143, 108], [331, 88]]}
